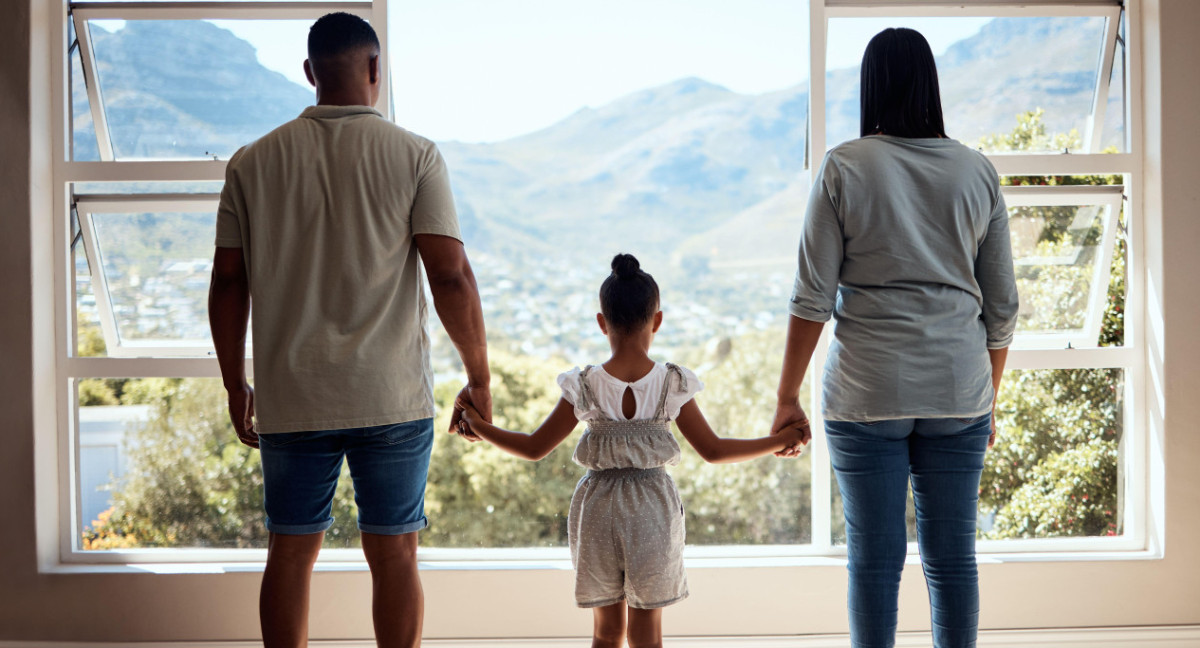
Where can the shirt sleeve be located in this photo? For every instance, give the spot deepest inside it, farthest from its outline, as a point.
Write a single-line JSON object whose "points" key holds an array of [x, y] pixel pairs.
{"points": [[997, 283], [821, 249], [679, 394], [569, 382], [231, 211], [433, 205]]}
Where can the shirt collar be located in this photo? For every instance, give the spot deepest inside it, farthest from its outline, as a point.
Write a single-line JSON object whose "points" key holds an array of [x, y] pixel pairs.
{"points": [[334, 112]]}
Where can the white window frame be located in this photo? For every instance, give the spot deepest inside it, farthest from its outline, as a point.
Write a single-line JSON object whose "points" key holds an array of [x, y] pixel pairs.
{"points": [[86, 207], [1109, 199], [127, 360]]}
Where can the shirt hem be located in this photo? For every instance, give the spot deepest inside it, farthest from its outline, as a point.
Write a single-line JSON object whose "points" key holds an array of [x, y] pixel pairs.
{"points": [[451, 232], [872, 418], [339, 424], [228, 243]]}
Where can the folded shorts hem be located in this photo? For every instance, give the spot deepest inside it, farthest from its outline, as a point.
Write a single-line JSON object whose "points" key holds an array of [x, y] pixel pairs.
{"points": [[394, 529], [298, 529], [662, 604], [599, 603]]}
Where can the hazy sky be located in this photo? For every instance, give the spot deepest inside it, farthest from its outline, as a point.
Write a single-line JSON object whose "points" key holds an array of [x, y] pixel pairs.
{"points": [[487, 70]]}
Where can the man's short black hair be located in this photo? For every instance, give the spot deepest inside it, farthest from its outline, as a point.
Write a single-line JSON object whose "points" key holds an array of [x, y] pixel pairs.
{"points": [[338, 33]]}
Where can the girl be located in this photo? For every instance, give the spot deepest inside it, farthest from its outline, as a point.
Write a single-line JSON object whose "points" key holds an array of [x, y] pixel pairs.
{"points": [[625, 526]]}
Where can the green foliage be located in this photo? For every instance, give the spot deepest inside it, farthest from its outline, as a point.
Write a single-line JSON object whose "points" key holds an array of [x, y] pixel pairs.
{"points": [[478, 495], [94, 391], [763, 501], [1030, 135]]}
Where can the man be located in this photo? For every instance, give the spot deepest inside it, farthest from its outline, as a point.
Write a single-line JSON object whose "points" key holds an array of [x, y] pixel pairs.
{"points": [[324, 225]]}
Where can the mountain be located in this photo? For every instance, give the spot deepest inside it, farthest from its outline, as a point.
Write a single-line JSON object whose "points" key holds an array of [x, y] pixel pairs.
{"points": [[689, 171], [182, 88]]}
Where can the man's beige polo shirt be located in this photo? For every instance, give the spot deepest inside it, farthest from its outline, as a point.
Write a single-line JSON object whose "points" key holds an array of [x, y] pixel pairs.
{"points": [[324, 209]]}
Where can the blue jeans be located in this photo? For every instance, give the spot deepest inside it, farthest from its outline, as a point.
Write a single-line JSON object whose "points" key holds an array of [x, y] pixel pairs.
{"points": [[874, 463], [388, 463]]}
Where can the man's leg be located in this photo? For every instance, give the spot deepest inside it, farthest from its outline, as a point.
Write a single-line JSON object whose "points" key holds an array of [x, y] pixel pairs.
{"points": [[389, 465], [283, 601], [398, 603], [300, 473]]}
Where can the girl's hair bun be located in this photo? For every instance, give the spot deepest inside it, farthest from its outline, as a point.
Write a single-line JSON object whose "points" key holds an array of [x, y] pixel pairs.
{"points": [[625, 265]]}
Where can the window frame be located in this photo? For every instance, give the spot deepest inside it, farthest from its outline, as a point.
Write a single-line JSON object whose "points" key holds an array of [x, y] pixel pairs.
{"points": [[1134, 543]]}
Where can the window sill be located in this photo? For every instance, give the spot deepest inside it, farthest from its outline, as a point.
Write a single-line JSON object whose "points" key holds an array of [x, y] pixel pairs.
{"points": [[344, 561]]}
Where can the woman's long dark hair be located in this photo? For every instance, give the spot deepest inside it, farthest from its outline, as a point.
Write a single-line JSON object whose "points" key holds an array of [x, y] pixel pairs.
{"points": [[899, 86]]}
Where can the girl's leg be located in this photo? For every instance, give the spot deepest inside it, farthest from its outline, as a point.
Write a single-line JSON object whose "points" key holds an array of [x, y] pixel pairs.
{"points": [[608, 628], [947, 460], [871, 465], [645, 628]]}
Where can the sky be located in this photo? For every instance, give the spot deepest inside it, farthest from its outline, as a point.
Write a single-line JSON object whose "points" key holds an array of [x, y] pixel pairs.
{"points": [[489, 70]]}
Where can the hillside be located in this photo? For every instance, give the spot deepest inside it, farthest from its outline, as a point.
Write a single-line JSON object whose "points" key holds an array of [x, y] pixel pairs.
{"points": [[685, 169]]}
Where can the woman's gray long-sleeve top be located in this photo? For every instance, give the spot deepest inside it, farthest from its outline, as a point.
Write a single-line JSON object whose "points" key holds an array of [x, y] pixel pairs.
{"points": [[906, 245]]}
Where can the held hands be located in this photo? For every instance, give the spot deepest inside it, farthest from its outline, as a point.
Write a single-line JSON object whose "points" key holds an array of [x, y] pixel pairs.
{"points": [[241, 414], [795, 436], [477, 400], [791, 419], [471, 418]]}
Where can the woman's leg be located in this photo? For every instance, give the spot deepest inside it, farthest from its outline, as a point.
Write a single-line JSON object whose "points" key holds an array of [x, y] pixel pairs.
{"points": [[645, 628], [871, 465], [947, 461], [608, 627]]}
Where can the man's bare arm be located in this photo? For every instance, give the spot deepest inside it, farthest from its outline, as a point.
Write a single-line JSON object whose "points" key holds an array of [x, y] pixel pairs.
{"points": [[456, 298], [228, 315]]}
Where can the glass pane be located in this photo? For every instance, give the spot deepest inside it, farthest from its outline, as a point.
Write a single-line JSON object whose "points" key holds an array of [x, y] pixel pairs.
{"points": [[160, 466], [1007, 84], [1112, 140], [1055, 468], [1056, 254], [84, 146], [564, 150], [196, 89], [158, 266], [144, 187], [88, 335]]}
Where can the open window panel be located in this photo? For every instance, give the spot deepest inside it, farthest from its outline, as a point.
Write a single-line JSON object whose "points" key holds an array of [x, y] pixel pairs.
{"points": [[155, 81], [1064, 240], [149, 260], [1031, 79]]}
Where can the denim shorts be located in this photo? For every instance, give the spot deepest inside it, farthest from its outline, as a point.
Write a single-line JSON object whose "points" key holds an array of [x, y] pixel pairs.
{"points": [[388, 463]]}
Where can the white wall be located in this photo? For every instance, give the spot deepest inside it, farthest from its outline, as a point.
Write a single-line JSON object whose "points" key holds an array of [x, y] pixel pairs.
{"points": [[776, 600]]}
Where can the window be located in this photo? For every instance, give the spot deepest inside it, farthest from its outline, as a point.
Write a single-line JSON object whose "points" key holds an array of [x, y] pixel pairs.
{"points": [[572, 134]]}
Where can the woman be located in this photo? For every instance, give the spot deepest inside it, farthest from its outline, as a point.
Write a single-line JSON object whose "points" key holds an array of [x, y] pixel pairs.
{"points": [[906, 245]]}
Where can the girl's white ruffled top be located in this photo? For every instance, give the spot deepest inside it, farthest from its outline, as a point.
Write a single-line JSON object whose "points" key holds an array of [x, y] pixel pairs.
{"points": [[603, 447]]}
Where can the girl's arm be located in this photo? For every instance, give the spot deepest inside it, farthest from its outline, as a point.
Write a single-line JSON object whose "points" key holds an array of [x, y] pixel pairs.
{"points": [[715, 449], [534, 446]]}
